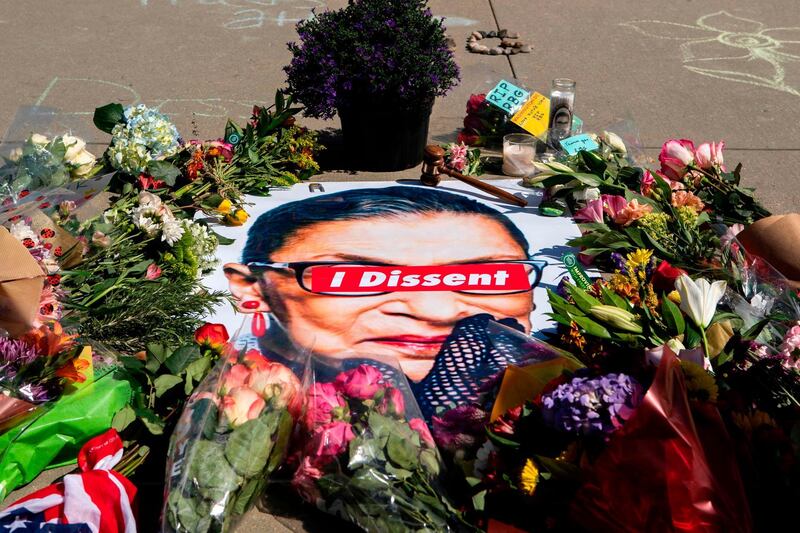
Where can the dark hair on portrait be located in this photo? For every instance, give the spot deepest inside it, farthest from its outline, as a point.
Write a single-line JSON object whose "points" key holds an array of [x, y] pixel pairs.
{"points": [[271, 230]]}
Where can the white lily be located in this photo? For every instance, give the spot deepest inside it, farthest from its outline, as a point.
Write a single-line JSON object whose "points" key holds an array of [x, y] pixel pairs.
{"points": [[699, 298]]}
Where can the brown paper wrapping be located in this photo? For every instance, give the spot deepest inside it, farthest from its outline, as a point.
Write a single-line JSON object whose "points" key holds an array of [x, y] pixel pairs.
{"points": [[776, 239], [12, 411], [21, 283]]}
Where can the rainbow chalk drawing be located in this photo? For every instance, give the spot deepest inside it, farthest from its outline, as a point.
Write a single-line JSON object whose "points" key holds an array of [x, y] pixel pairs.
{"points": [[727, 47]]}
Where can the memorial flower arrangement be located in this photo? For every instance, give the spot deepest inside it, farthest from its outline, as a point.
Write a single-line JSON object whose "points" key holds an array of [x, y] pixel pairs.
{"points": [[233, 433], [368, 457], [42, 163], [463, 159], [369, 50], [484, 124]]}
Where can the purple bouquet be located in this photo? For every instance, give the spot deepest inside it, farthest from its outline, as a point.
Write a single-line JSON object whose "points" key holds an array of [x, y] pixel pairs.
{"points": [[370, 50]]}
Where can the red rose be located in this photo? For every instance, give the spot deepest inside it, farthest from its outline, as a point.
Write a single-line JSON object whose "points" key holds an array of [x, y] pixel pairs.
{"points": [[475, 103], [665, 275], [473, 123], [47, 233], [470, 139], [24, 193], [212, 335], [54, 279]]}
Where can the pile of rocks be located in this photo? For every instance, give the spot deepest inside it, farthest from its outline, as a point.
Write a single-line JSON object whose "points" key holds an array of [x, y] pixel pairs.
{"points": [[510, 43]]}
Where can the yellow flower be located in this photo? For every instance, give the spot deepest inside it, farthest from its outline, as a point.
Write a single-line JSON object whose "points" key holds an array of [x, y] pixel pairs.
{"points": [[748, 422], [237, 218], [699, 383], [529, 477], [675, 296], [224, 207], [639, 258]]}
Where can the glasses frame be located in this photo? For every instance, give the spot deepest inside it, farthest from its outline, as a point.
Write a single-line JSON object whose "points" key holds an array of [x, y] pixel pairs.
{"points": [[299, 267]]}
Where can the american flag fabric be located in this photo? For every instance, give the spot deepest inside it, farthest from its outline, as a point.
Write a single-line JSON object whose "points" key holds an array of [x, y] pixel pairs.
{"points": [[97, 500]]}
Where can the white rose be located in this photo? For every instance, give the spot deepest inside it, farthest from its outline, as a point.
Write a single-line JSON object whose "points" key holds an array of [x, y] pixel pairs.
{"points": [[587, 194], [84, 163], [74, 147], [614, 142], [15, 155], [38, 139]]}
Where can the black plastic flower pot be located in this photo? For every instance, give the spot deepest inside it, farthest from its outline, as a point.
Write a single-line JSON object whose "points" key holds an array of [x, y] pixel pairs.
{"points": [[383, 138]]}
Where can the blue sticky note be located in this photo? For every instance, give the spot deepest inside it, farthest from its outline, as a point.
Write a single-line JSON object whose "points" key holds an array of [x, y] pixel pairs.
{"points": [[507, 96], [573, 145]]}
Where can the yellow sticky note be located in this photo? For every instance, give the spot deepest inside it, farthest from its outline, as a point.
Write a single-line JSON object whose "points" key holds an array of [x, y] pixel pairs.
{"points": [[533, 116]]}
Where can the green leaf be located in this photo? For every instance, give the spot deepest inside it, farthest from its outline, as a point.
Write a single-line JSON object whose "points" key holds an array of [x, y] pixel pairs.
{"points": [[123, 418], [673, 316], [141, 266], [281, 441], [401, 452], [164, 171], [156, 355], [108, 116], [479, 501], [196, 371], [692, 336], [582, 299], [612, 298], [212, 474], [151, 421], [280, 102], [364, 451], [224, 241], [250, 444], [591, 327], [182, 357], [501, 441], [165, 382], [205, 416]]}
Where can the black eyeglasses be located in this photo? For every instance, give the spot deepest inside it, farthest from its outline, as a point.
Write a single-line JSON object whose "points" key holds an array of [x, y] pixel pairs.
{"points": [[304, 271]]}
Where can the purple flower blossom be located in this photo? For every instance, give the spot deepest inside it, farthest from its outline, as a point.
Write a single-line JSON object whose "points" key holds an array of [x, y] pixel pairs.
{"points": [[460, 428], [619, 262], [590, 406], [16, 357]]}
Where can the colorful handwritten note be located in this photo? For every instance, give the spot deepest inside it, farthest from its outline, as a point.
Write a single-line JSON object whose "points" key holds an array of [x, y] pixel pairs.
{"points": [[533, 115], [576, 143], [507, 96]]}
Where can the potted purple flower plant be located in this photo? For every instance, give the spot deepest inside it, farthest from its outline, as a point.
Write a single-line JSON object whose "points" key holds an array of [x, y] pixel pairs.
{"points": [[380, 64]]}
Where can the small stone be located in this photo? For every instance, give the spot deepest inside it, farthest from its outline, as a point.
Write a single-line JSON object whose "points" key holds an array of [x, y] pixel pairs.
{"points": [[451, 43], [525, 49], [507, 43], [481, 49], [491, 34], [482, 34], [473, 46], [476, 35], [502, 34], [512, 35], [518, 44], [496, 51], [508, 51]]}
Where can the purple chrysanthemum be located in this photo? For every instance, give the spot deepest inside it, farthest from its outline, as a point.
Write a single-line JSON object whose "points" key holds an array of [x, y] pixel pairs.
{"points": [[588, 406], [13, 355]]}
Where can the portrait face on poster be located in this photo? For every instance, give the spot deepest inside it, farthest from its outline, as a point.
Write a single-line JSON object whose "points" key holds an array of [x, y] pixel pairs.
{"points": [[374, 269]]}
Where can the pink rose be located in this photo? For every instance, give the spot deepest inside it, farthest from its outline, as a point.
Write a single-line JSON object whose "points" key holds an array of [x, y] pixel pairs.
{"points": [[613, 204], [419, 425], [593, 212], [305, 479], [323, 398], [709, 155], [361, 382], [476, 103], [632, 212], [330, 440], [646, 183], [235, 377], [392, 402], [278, 383], [255, 360], [242, 404], [687, 199], [676, 155]]}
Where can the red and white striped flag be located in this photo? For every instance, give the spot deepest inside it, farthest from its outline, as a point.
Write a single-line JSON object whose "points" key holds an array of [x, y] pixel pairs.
{"points": [[98, 500]]}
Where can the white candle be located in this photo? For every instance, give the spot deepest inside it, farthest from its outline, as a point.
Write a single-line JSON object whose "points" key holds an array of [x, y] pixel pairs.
{"points": [[518, 159]]}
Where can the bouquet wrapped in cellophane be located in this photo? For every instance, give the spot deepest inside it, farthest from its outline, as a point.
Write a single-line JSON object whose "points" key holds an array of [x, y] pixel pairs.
{"points": [[234, 431], [365, 452]]}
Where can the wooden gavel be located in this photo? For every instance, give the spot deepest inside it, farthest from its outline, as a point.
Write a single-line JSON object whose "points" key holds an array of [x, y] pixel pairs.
{"points": [[433, 166]]}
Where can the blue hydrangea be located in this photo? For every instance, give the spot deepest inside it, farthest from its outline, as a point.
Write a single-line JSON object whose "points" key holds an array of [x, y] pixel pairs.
{"points": [[146, 135], [591, 406]]}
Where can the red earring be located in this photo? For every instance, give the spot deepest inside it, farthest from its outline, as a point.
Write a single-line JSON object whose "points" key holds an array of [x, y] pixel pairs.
{"points": [[258, 326]]}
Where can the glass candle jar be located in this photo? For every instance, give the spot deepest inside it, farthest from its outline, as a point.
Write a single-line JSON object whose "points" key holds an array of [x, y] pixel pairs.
{"points": [[562, 103], [519, 150]]}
